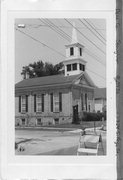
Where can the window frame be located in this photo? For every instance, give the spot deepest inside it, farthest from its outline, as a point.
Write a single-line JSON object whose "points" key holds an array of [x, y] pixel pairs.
{"points": [[38, 124], [39, 103], [80, 51], [23, 104], [71, 51], [73, 66], [23, 120], [56, 102], [69, 65]]}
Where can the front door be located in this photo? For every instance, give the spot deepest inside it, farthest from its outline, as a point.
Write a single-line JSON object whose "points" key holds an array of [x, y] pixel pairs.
{"points": [[75, 114]]}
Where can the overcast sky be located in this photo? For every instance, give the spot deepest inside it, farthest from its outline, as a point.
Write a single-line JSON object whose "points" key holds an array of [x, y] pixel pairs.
{"points": [[45, 39]]}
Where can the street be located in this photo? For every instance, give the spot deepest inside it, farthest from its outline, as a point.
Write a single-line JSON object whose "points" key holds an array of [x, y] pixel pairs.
{"points": [[47, 142]]}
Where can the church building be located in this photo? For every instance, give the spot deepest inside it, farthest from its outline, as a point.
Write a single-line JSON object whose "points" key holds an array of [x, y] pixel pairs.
{"points": [[56, 99]]}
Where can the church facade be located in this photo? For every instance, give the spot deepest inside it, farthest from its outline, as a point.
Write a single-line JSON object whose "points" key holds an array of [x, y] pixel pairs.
{"points": [[56, 99]]}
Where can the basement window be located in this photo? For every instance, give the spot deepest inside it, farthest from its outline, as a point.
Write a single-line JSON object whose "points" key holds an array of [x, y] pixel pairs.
{"points": [[39, 121], [23, 121], [56, 120]]}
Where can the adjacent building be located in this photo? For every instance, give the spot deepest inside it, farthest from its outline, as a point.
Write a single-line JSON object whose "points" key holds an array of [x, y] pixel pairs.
{"points": [[56, 99], [100, 99]]}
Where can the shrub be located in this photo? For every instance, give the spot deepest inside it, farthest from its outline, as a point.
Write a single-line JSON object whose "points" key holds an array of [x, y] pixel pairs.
{"points": [[89, 116]]}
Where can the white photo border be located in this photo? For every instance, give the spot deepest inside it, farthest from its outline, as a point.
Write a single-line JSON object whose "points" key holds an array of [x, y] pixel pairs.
{"points": [[54, 166]]}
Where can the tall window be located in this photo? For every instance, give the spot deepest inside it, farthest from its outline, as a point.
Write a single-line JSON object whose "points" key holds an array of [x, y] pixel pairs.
{"points": [[23, 103], [69, 67], [80, 50], [39, 103], [71, 51], [74, 66], [56, 102]]}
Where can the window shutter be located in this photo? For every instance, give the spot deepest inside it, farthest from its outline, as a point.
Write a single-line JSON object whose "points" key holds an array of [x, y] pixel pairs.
{"points": [[51, 101], [42, 102], [82, 101], [26, 103], [60, 102], [19, 103], [86, 106], [34, 102]]}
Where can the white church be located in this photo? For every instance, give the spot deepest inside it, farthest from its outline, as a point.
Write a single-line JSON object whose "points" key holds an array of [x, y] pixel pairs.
{"points": [[56, 99]]}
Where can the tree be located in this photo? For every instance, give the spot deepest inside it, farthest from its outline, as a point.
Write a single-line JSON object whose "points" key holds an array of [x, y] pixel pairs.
{"points": [[39, 69]]}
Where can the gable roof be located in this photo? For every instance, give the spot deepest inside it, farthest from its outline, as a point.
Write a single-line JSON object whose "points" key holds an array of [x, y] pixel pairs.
{"points": [[51, 81], [100, 93]]}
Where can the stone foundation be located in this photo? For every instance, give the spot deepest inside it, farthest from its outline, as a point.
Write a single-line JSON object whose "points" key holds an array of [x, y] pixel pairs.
{"points": [[42, 121]]}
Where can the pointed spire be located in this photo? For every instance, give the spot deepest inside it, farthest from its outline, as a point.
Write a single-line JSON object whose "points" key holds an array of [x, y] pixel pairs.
{"points": [[74, 35]]}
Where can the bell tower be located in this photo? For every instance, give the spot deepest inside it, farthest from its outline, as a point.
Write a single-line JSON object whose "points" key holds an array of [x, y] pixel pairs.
{"points": [[74, 63]]}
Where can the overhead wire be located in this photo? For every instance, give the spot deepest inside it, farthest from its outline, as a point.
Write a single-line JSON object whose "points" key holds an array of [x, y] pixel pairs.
{"points": [[92, 32], [87, 38], [94, 28], [53, 27], [87, 51], [40, 42], [64, 35], [45, 45]]}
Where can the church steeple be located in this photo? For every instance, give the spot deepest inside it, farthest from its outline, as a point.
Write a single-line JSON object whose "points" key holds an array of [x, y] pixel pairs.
{"points": [[74, 63]]}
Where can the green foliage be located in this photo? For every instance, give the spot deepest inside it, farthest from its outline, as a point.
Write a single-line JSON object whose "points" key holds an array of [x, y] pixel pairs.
{"points": [[89, 116], [39, 69]]}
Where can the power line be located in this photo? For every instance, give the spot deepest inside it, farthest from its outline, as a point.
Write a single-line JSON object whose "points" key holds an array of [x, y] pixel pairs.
{"points": [[51, 48], [64, 35], [94, 28], [86, 38], [53, 27], [92, 31], [40, 42]]}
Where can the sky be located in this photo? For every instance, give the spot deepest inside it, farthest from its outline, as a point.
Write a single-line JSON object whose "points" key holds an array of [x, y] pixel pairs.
{"points": [[45, 39]]}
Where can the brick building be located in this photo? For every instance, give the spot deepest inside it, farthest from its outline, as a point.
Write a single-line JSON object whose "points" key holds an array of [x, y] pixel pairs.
{"points": [[58, 98]]}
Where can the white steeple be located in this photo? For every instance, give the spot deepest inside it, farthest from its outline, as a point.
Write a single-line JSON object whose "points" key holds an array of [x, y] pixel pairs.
{"points": [[74, 63], [74, 34]]}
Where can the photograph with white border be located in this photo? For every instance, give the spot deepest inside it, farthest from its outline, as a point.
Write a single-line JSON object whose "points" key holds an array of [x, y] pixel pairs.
{"points": [[29, 42]]}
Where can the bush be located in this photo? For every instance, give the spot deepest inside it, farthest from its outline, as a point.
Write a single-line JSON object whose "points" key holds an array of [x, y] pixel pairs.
{"points": [[89, 116]]}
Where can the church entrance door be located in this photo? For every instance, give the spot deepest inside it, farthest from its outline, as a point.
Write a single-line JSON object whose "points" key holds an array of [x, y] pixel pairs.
{"points": [[75, 114]]}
